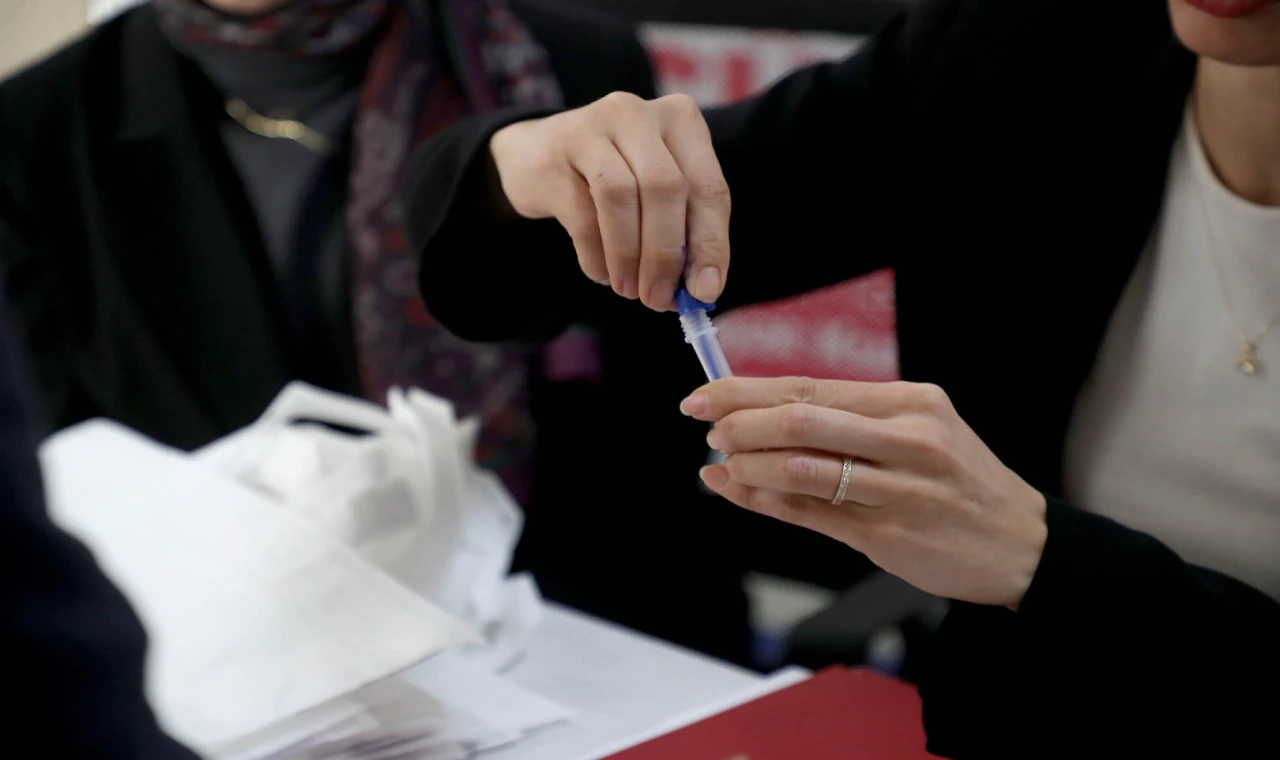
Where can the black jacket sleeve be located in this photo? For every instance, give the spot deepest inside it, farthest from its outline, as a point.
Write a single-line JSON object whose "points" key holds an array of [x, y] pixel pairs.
{"points": [[73, 649], [1120, 648], [449, 191], [799, 159]]}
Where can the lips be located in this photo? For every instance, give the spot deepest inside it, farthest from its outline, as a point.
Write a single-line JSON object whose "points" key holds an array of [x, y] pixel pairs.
{"points": [[1230, 8]]}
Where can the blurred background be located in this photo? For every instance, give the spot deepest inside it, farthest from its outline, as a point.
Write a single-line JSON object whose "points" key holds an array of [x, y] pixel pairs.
{"points": [[719, 51]]}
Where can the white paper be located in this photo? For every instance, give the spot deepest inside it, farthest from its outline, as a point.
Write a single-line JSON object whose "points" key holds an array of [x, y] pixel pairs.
{"points": [[622, 686], [407, 497], [284, 738], [254, 615], [467, 687], [394, 719]]}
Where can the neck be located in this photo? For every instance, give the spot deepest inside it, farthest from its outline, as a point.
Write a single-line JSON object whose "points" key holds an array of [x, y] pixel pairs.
{"points": [[1237, 110]]}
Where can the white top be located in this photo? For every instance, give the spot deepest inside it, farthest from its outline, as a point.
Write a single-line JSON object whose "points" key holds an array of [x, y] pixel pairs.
{"points": [[1169, 436]]}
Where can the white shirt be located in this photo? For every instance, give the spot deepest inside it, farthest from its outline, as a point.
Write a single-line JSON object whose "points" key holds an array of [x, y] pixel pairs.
{"points": [[1169, 436]]}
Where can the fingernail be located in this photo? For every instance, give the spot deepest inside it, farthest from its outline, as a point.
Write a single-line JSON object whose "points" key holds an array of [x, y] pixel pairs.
{"points": [[696, 405], [707, 287], [714, 477], [630, 289], [715, 440], [661, 293]]}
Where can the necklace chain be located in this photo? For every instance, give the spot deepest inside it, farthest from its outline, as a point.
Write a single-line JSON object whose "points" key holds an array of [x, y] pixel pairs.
{"points": [[1247, 360], [287, 129]]}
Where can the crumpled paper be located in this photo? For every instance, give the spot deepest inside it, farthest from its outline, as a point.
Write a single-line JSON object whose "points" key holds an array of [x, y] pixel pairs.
{"points": [[397, 486]]}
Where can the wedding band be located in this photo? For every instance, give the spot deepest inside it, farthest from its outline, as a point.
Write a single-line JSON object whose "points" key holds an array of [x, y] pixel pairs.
{"points": [[845, 472]]}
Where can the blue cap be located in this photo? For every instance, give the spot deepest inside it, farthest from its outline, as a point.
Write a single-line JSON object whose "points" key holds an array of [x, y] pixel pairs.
{"points": [[686, 303]]}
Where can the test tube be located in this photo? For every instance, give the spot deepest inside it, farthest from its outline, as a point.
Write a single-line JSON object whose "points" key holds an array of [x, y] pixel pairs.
{"points": [[700, 333]]}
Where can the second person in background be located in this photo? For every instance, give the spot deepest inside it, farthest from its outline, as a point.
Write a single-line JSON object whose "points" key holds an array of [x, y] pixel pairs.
{"points": [[199, 203]]}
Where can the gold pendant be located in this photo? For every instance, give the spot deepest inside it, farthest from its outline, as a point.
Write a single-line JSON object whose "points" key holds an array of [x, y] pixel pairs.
{"points": [[1247, 362]]}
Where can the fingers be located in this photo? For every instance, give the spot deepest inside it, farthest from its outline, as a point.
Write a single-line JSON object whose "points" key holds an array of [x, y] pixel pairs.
{"points": [[656, 185], [811, 474], [801, 426], [797, 510], [639, 195], [716, 400], [616, 199], [684, 131], [842, 522], [578, 216], [663, 194]]}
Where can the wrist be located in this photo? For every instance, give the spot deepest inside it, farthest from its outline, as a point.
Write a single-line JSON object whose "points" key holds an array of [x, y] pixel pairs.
{"points": [[1030, 539], [510, 147]]}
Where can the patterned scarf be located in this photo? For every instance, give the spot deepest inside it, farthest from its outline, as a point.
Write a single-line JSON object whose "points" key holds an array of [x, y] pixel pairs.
{"points": [[411, 92]]}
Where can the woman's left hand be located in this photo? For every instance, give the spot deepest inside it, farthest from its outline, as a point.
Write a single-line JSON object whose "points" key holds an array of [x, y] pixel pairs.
{"points": [[926, 499]]}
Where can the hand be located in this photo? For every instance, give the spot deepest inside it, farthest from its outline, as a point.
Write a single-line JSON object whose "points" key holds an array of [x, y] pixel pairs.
{"points": [[927, 500], [632, 181]]}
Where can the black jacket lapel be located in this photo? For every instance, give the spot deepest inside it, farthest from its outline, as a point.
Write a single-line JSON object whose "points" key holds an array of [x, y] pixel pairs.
{"points": [[184, 242]]}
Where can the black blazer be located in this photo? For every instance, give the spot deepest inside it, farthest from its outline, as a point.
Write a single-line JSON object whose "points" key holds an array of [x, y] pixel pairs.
{"points": [[141, 288], [1007, 158], [73, 649], [127, 242]]}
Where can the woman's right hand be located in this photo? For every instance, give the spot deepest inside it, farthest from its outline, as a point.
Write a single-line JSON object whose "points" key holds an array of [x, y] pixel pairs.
{"points": [[631, 181]]}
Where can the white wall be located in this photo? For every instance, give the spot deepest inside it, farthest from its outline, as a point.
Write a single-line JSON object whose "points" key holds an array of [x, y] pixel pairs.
{"points": [[32, 28]]}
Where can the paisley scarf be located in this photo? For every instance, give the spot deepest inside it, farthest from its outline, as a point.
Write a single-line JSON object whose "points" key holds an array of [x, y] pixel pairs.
{"points": [[413, 90]]}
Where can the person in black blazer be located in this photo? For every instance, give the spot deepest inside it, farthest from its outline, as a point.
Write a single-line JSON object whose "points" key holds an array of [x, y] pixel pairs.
{"points": [[190, 199], [1081, 206], [74, 650]]}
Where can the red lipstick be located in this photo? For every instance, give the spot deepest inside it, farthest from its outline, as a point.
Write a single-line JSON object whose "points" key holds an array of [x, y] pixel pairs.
{"points": [[1229, 8]]}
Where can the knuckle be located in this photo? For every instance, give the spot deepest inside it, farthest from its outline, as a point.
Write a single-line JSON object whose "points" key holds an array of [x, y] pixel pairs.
{"points": [[666, 184], [901, 436], [930, 397], [583, 228], [709, 245], [727, 429], [887, 533], [902, 393], [932, 442], [927, 492], [736, 466], [617, 190], [576, 132], [727, 392], [798, 390], [799, 472], [760, 500], [798, 421], [681, 105], [620, 102], [796, 510], [668, 255], [710, 190]]}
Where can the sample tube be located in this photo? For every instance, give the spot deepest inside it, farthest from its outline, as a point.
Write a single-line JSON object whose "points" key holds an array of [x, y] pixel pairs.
{"points": [[700, 333]]}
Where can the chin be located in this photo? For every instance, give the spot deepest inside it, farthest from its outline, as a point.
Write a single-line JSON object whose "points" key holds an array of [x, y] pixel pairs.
{"points": [[1250, 40]]}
